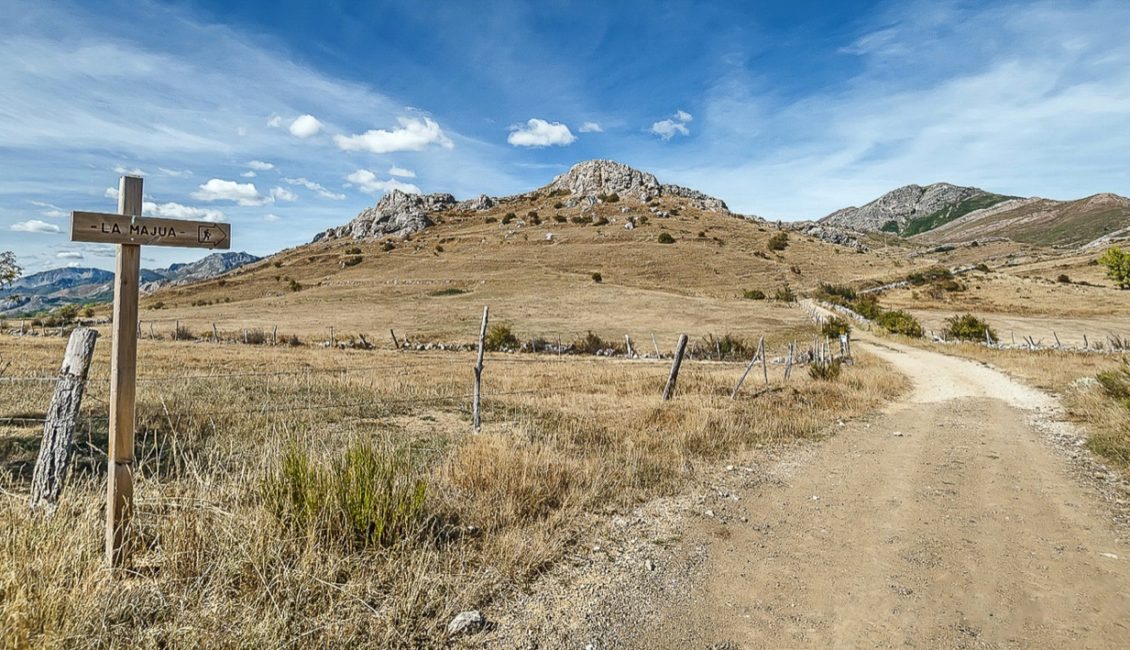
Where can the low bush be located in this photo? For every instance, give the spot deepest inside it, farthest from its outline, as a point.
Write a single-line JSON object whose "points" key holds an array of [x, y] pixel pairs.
{"points": [[600, 221], [591, 344], [353, 251], [157, 305], [182, 333], [608, 198], [754, 294], [835, 293], [352, 260], [508, 217], [597, 278], [666, 238], [295, 285], [387, 246], [449, 291], [560, 218], [835, 326], [968, 327], [726, 348], [929, 275], [500, 337], [785, 294], [581, 220], [899, 322], [1063, 278], [1116, 383], [778, 242]]}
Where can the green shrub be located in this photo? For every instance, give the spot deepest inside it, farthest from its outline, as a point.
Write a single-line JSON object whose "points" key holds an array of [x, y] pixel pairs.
{"points": [[500, 337], [352, 260], [508, 217], [666, 238], [1116, 383], [353, 251], [490, 220], [778, 242], [835, 293], [867, 307], [968, 327], [560, 218], [559, 205], [826, 371], [581, 220], [754, 294], [726, 348], [1063, 278], [294, 285], [87, 312], [835, 326], [372, 496], [387, 246], [899, 322], [608, 198], [449, 291], [1117, 263], [932, 274], [597, 278], [785, 294], [157, 305], [591, 344]]}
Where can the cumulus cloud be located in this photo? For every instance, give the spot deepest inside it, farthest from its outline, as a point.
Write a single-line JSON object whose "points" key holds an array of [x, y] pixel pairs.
{"points": [[111, 193], [367, 181], [414, 134], [540, 133], [175, 173], [305, 126], [401, 172], [69, 255], [591, 127], [248, 174], [125, 171], [217, 189], [178, 211], [315, 187], [35, 225], [671, 127], [260, 166]]}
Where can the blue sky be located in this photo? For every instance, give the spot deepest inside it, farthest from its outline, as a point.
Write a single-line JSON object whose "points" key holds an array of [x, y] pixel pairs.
{"points": [[285, 119]]}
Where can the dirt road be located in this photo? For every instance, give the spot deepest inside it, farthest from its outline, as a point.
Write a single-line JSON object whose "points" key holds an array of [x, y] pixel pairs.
{"points": [[947, 522]]}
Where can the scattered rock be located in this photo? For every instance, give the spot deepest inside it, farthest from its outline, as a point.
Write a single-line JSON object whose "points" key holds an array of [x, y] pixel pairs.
{"points": [[468, 622]]}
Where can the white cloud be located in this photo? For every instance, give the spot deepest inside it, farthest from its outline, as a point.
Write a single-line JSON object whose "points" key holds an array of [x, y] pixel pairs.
{"points": [[401, 172], [414, 134], [128, 172], [260, 166], [540, 133], [271, 218], [111, 193], [35, 225], [305, 126], [248, 174], [53, 211], [178, 211], [217, 189], [668, 128], [591, 127], [175, 173], [275, 121], [315, 187], [282, 194], [367, 181], [69, 255]]}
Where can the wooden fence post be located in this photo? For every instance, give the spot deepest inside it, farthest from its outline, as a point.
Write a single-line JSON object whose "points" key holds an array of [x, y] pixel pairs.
{"points": [[395, 343], [789, 360], [761, 353], [62, 419], [333, 341], [628, 342], [748, 367], [669, 389], [275, 335], [476, 404], [215, 333], [1058, 345], [658, 354]]}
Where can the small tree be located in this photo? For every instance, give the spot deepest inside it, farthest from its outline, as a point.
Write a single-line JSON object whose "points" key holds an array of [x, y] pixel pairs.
{"points": [[9, 270], [968, 327], [1117, 263]]}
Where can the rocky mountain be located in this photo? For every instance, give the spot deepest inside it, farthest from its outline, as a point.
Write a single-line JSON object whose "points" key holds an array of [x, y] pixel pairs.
{"points": [[49, 289], [914, 209], [398, 213]]}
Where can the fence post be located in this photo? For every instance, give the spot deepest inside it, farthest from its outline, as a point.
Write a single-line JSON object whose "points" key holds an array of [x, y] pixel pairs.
{"points": [[275, 335], [749, 366], [476, 404], [62, 418], [395, 343], [333, 341], [628, 342], [658, 354], [789, 360], [215, 333], [679, 350], [761, 353], [1058, 345], [1086, 345]]}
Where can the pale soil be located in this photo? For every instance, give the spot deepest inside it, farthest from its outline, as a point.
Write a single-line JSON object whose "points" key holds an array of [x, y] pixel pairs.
{"points": [[966, 515]]}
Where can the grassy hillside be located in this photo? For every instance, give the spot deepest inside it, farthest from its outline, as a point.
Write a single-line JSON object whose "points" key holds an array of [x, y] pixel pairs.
{"points": [[922, 224], [1041, 222]]}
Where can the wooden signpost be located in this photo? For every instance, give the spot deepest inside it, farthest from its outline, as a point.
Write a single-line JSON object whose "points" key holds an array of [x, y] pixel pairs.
{"points": [[129, 230]]}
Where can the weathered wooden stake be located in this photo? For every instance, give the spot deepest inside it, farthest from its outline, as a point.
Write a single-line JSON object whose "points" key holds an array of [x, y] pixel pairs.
{"points": [[123, 378], [748, 367], [476, 404], [215, 333], [333, 341], [658, 354], [761, 353], [628, 342], [679, 350], [152, 334], [176, 331], [395, 343], [1086, 345], [62, 419], [1058, 345], [789, 360], [275, 335]]}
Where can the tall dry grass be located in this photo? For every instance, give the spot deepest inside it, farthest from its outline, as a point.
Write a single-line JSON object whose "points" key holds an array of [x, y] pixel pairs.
{"points": [[328, 509]]}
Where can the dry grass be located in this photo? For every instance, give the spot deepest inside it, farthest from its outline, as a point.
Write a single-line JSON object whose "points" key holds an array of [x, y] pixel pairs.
{"points": [[217, 565]]}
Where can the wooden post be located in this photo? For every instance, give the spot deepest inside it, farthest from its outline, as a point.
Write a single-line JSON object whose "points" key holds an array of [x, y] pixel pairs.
{"points": [[395, 343], [658, 354], [333, 341], [628, 342], [215, 333], [789, 360], [152, 334], [761, 353], [1086, 345], [679, 350], [988, 339], [1058, 345], [749, 366], [123, 378], [476, 403], [275, 335], [62, 419], [176, 331]]}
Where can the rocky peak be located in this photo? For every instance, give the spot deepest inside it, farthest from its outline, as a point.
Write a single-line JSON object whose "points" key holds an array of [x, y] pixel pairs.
{"points": [[593, 178], [397, 213], [900, 206]]}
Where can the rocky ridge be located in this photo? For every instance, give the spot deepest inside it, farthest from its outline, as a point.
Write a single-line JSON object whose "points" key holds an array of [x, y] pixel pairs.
{"points": [[900, 206], [399, 214]]}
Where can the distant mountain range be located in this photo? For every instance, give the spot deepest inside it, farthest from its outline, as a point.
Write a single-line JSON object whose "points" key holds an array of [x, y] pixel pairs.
{"points": [[43, 291], [944, 213]]}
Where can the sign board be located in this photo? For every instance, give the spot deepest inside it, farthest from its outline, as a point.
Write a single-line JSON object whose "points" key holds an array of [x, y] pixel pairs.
{"points": [[104, 228]]}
